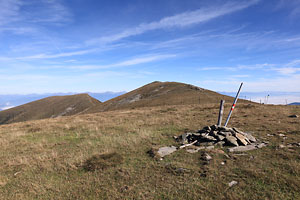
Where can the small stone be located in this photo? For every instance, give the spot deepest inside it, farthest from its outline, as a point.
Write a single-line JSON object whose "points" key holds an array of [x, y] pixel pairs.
{"points": [[293, 116], [220, 143], [201, 131], [214, 127], [249, 137], [220, 137], [204, 143], [208, 138], [184, 137], [214, 133], [219, 151], [281, 146], [236, 130], [222, 163], [195, 150], [281, 135], [232, 183], [210, 147], [226, 129], [261, 145], [232, 141], [207, 128], [225, 134], [206, 157], [242, 139]]}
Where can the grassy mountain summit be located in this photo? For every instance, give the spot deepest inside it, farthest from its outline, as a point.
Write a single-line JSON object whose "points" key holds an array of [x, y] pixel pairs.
{"points": [[49, 107], [160, 94], [104, 155]]}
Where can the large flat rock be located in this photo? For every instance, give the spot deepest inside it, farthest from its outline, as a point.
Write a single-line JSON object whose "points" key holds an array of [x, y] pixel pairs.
{"points": [[247, 148], [164, 151], [242, 148]]}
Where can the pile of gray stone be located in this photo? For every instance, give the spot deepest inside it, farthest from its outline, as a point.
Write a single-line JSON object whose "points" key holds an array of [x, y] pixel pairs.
{"points": [[217, 135], [209, 137]]}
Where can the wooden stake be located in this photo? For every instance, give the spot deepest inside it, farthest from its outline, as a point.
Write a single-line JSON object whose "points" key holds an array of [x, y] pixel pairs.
{"points": [[221, 112]]}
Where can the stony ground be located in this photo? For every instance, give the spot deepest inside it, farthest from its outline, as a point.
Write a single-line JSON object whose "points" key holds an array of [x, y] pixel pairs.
{"points": [[104, 156]]}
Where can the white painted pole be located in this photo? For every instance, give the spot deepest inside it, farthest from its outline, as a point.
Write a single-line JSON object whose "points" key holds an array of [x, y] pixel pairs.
{"points": [[233, 105]]}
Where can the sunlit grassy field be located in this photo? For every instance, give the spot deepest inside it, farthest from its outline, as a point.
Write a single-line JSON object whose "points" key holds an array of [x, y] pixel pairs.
{"points": [[50, 159]]}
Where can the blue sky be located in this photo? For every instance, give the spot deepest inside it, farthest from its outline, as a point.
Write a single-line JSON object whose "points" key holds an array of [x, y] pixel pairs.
{"points": [[96, 45]]}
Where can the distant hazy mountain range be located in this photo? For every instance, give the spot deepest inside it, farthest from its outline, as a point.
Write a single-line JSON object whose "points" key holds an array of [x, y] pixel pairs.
{"points": [[295, 103], [268, 97], [9, 101]]}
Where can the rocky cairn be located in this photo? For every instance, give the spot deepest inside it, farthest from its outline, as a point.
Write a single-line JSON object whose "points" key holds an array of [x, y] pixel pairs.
{"points": [[209, 137], [217, 135]]}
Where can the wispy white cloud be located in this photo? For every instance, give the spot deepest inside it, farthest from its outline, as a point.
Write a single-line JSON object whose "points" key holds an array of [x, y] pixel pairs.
{"points": [[240, 76], [129, 62], [292, 39], [180, 20], [292, 5], [286, 83], [19, 30], [24, 77], [293, 63], [49, 56], [239, 67], [49, 11], [222, 38], [9, 11], [19, 17], [287, 69], [59, 55]]}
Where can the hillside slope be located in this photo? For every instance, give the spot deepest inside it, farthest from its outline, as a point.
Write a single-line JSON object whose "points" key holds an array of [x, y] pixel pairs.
{"points": [[50, 158], [162, 93], [49, 107]]}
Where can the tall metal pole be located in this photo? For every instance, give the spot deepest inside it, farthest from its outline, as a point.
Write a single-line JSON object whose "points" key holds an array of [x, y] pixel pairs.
{"points": [[221, 112], [233, 105]]}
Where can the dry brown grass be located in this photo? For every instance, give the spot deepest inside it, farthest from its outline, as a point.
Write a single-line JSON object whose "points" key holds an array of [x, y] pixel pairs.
{"points": [[43, 159]]}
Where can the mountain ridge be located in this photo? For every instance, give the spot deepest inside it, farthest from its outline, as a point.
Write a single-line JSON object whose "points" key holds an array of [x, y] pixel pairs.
{"points": [[49, 107], [162, 93]]}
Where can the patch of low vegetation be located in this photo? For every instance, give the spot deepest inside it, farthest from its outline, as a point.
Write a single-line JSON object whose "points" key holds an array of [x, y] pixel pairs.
{"points": [[102, 161]]}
